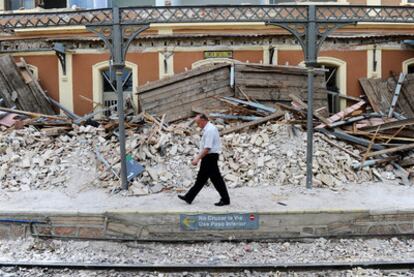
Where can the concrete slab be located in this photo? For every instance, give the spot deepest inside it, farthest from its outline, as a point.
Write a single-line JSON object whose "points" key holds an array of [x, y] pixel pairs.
{"points": [[281, 212]]}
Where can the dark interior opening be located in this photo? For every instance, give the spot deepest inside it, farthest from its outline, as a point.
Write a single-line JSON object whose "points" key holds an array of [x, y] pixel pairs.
{"points": [[410, 69], [53, 4], [330, 79]]}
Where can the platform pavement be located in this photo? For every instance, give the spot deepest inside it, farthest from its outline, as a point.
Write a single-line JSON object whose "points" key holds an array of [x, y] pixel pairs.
{"points": [[255, 213]]}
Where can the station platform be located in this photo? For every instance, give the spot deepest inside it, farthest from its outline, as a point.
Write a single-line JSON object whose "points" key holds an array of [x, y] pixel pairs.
{"points": [[255, 213]]}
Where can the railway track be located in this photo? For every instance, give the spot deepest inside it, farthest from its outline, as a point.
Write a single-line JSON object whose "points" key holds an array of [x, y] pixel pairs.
{"points": [[282, 267]]}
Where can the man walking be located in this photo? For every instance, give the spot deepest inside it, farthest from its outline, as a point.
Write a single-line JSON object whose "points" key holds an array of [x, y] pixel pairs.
{"points": [[210, 146]]}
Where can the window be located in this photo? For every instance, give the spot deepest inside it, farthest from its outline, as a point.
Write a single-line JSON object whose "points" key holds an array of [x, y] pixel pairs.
{"points": [[132, 3], [332, 87], [410, 68], [110, 98], [217, 2], [53, 4], [31, 4], [89, 4], [19, 4], [275, 2]]}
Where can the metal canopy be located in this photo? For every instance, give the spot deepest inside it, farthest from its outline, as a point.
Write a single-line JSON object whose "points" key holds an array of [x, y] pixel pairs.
{"points": [[117, 27], [200, 14]]}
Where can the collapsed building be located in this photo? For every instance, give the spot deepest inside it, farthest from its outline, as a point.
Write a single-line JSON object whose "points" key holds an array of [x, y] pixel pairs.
{"points": [[42, 151], [174, 70]]}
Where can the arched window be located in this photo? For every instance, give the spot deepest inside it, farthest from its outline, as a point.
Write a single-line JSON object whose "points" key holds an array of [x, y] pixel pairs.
{"points": [[408, 66], [336, 80], [110, 98], [104, 84]]}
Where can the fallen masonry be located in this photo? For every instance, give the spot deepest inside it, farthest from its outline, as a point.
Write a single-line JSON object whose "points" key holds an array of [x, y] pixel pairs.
{"points": [[266, 156], [264, 143]]}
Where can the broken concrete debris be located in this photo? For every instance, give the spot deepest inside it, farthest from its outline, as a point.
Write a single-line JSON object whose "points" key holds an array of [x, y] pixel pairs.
{"points": [[31, 160], [269, 149]]}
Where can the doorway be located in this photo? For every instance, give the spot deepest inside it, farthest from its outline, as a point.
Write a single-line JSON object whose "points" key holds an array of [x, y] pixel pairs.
{"points": [[331, 80]]}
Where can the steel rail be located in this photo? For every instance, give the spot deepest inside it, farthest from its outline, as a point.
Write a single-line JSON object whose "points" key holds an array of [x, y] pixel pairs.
{"points": [[383, 265]]}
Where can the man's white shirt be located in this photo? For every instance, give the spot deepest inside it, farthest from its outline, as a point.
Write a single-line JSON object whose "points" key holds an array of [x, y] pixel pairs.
{"points": [[210, 139]]}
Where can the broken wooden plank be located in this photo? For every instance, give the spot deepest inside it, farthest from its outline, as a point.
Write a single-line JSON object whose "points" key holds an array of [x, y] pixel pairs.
{"points": [[364, 158], [392, 150], [342, 114], [395, 134], [276, 115], [305, 107], [8, 120], [389, 125], [36, 88], [31, 114], [244, 94], [406, 104], [154, 120], [378, 97], [382, 136], [27, 95], [347, 97], [291, 109], [95, 104], [354, 119]]}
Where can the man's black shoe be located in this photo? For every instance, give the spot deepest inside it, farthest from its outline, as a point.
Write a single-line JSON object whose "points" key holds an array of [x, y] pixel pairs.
{"points": [[184, 199], [222, 203]]}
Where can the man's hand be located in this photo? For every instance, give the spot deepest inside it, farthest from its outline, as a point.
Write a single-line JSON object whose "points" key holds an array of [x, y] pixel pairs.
{"points": [[200, 156], [195, 161]]}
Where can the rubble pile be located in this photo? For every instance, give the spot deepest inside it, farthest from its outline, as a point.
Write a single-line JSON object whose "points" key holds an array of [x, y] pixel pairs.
{"points": [[30, 160], [264, 143], [264, 157], [267, 156]]}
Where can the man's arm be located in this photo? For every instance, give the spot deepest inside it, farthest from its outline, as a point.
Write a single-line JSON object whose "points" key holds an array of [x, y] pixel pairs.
{"points": [[201, 155]]}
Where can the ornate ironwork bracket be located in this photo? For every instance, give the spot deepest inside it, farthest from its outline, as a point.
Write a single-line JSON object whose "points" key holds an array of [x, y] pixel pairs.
{"points": [[325, 29], [59, 49], [300, 31], [129, 33]]}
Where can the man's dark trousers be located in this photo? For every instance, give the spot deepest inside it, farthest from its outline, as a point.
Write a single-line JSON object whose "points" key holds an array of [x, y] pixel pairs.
{"points": [[209, 169]]}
